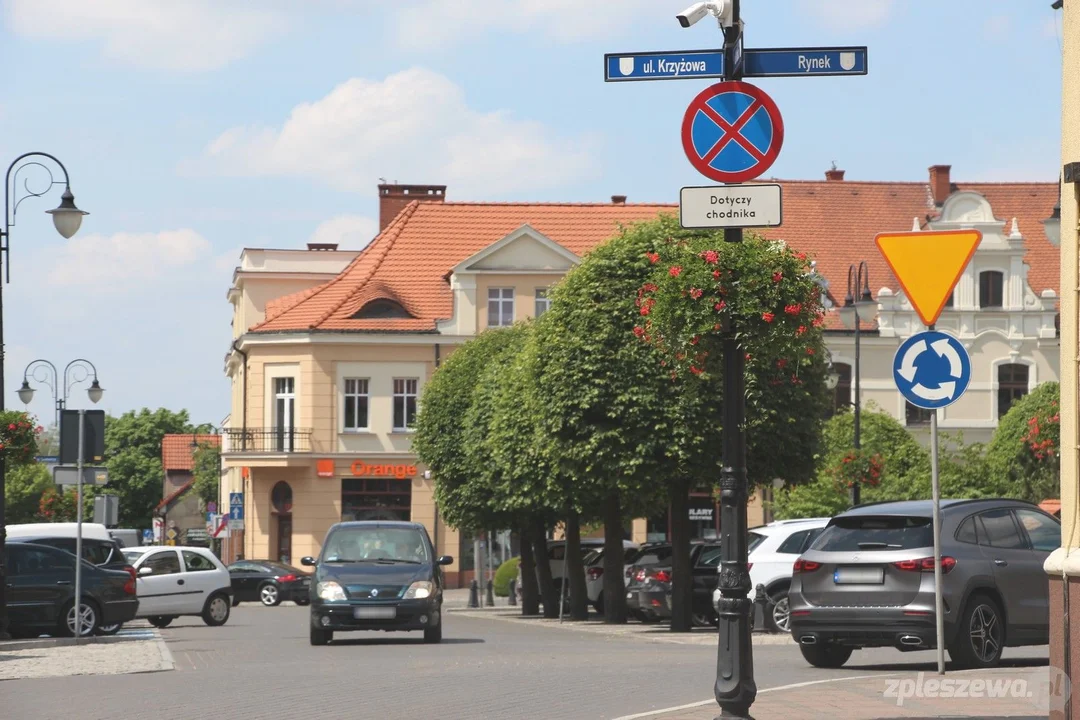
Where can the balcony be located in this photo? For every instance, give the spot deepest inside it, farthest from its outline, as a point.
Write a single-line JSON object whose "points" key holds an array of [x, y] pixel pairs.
{"points": [[266, 441]]}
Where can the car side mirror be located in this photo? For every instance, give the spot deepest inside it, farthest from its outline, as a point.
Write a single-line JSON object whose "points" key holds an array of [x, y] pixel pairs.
{"points": [[445, 560], [308, 561], [146, 570]]}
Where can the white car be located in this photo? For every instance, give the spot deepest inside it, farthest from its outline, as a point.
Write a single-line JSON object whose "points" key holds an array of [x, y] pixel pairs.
{"points": [[773, 551], [590, 548], [174, 580]]}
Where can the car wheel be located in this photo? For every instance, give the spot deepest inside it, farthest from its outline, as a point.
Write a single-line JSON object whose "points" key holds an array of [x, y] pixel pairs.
{"points": [[87, 623], [235, 601], [216, 610], [433, 635], [302, 600], [826, 655], [161, 621], [780, 616], [109, 629], [323, 637], [981, 636], [269, 595]]}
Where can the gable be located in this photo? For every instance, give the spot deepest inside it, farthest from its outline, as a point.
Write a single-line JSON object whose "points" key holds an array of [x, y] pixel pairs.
{"points": [[523, 253]]}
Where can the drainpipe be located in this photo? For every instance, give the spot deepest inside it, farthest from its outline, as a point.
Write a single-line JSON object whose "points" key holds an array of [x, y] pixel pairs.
{"points": [[436, 540]]}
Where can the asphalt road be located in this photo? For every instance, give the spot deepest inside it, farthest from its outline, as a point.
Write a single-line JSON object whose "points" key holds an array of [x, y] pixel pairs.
{"points": [[260, 667]]}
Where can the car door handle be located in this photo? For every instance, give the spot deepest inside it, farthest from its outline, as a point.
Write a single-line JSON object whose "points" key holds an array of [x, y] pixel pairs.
{"points": [[179, 582], [60, 582], [1000, 563]]}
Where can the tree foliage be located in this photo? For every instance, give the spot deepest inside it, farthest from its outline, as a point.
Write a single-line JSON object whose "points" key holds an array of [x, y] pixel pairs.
{"points": [[1023, 456], [18, 437], [23, 487], [207, 472]]}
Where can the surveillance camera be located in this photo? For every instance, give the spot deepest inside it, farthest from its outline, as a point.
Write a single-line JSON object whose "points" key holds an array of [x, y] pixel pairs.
{"points": [[693, 14]]}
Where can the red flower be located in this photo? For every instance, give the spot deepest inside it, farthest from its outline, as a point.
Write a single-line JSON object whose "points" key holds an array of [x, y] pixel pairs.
{"points": [[674, 271], [777, 276], [653, 257], [800, 256], [645, 310], [781, 363], [711, 256], [639, 331], [793, 309], [718, 307], [649, 287], [39, 429], [747, 356], [819, 321], [11, 426], [767, 317], [716, 274], [801, 330], [695, 369], [809, 351], [716, 326], [696, 293], [694, 340]]}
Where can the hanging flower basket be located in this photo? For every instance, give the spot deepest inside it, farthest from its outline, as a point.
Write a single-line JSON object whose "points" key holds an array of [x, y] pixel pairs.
{"points": [[858, 467], [18, 437]]}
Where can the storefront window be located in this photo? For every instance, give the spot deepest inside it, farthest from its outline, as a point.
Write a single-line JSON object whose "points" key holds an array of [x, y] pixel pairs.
{"points": [[703, 517], [375, 499]]}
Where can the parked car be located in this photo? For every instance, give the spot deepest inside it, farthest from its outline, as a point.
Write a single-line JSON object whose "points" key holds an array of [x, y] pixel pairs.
{"points": [[648, 594], [99, 548], [41, 593], [376, 575], [175, 581], [557, 563], [868, 580], [268, 582], [772, 550]]}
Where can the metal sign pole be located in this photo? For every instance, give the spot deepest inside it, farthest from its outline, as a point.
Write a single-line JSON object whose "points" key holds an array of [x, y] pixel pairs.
{"points": [[78, 528], [939, 613]]}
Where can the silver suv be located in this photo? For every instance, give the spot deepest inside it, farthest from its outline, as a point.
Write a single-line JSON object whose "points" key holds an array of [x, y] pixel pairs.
{"points": [[868, 580]]}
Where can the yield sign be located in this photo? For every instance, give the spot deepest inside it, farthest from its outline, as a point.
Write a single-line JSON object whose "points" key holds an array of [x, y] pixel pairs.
{"points": [[732, 132], [928, 265]]}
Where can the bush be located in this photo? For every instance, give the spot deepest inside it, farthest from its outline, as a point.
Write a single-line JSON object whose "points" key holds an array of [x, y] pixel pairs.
{"points": [[506, 572]]}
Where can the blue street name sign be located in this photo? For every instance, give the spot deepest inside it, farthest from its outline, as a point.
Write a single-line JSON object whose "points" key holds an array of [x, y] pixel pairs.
{"points": [[932, 370], [795, 62], [691, 64]]}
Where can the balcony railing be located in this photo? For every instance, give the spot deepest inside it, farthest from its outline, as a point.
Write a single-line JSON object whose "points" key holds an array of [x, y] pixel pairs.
{"points": [[267, 440]]}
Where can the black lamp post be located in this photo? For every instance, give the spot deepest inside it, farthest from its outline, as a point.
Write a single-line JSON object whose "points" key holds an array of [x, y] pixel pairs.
{"points": [[858, 298], [66, 219], [77, 371]]}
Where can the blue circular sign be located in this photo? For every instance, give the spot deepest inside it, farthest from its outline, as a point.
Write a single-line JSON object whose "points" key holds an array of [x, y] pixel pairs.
{"points": [[932, 370]]}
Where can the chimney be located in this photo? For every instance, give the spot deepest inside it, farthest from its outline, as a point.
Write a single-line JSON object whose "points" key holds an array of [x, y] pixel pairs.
{"points": [[834, 175], [322, 246], [618, 199], [394, 198], [940, 187]]}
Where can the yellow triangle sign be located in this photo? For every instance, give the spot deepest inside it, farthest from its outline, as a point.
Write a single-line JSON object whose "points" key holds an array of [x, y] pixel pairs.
{"points": [[928, 265]]}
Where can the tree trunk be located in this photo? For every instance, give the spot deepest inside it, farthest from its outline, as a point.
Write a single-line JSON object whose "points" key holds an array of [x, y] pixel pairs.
{"points": [[682, 577], [530, 589], [614, 587], [548, 596], [575, 569]]}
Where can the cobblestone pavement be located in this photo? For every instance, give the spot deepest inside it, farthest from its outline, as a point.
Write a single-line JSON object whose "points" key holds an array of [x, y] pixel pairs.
{"points": [[105, 658], [260, 667]]}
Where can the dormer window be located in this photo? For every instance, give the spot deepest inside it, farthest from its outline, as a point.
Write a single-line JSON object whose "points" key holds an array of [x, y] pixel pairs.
{"points": [[991, 289], [381, 309]]}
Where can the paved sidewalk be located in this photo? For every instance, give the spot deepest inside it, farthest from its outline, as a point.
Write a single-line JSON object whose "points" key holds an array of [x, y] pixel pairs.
{"points": [[1017, 693], [135, 651]]}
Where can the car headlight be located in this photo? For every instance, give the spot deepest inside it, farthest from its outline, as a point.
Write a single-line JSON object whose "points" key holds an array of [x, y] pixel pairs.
{"points": [[331, 591], [419, 590]]}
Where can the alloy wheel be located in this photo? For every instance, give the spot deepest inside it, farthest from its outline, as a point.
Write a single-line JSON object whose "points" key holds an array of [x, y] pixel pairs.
{"points": [[985, 632], [269, 595], [87, 620], [781, 615]]}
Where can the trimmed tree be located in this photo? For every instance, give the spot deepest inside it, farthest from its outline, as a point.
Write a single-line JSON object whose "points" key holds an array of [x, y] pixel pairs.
{"points": [[1023, 455]]}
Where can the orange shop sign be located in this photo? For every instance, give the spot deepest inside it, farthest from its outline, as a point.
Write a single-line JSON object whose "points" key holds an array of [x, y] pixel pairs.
{"points": [[324, 468], [399, 471]]}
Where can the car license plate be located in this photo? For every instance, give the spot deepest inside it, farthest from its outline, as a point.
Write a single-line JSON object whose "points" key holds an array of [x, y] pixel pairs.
{"points": [[858, 576], [375, 613]]}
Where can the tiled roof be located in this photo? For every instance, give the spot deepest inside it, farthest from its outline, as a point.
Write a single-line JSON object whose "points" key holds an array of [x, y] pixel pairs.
{"points": [[834, 222], [176, 451]]}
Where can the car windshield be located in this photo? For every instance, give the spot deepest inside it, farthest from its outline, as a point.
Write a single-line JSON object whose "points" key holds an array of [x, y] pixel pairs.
{"points": [[875, 533], [592, 557], [377, 545]]}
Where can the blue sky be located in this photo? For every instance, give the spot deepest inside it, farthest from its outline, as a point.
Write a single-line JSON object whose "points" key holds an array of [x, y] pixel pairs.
{"points": [[194, 128]]}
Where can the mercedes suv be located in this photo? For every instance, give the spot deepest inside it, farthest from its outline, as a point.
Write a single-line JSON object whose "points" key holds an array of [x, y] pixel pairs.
{"points": [[868, 580]]}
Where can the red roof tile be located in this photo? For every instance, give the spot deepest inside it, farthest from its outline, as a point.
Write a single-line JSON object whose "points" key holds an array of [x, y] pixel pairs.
{"points": [[176, 450], [834, 222]]}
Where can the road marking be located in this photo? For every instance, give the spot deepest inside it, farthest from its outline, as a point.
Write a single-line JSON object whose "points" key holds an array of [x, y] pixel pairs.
{"points": [[793, 686]]}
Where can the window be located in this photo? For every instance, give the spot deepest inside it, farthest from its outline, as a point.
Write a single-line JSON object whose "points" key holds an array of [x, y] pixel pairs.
{"points": [[991, 289], [375, 499], [709, 556], [284, 413], [405, 390], [999, 530], [30, 561], [916, 415], [794, 543], [950, 301], [557, 552], [967, 533], [356, 404], [194, 562], [1044, 532], [381, 310], [95, 552], [162, 563], [500, 307], [753, 539], [842, 397], [1012, 385], [852, 534], [543, 302]]}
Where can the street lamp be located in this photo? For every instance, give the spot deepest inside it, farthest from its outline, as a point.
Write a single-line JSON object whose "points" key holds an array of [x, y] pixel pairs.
{"points": [[1052, 224], [71, 378], [67, 219], [858, 299]]}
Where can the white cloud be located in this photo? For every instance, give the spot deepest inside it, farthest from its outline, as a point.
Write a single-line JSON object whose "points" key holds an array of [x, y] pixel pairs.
{"points": [[435, 23], [351, 232], [846, 15], [185, 35], [109, 263], [414, 124]]}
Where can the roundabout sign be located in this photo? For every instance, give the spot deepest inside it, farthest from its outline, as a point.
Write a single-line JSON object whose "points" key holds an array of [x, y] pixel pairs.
{"points": [[932, 370]]}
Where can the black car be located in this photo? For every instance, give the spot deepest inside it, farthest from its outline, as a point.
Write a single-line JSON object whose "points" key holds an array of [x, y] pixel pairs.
{"points": [[648, 592], [376, 576], [41, 592], [268, 582]]}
